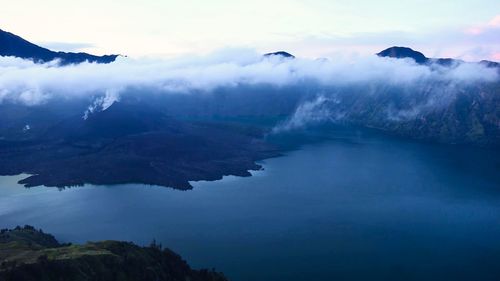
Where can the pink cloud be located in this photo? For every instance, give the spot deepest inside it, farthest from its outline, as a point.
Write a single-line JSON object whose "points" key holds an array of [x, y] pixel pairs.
{"points": [[495, 22], [474, 30], [479, 29]]}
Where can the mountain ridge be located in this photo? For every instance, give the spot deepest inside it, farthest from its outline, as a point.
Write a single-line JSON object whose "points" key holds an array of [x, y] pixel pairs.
{"points": [[399, 52], [14, 45]]}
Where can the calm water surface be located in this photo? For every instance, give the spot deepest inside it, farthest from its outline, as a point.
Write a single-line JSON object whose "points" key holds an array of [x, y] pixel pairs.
{"points": [[346, 209]]}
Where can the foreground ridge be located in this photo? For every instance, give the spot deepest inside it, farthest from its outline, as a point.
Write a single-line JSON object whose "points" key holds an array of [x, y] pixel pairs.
{"points": [[30, 254]]}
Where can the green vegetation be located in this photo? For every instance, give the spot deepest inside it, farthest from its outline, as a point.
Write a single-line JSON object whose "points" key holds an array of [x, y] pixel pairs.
{"points": [[30, 254]]}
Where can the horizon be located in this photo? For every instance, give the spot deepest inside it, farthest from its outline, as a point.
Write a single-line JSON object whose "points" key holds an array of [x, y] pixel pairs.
{"points": [[54, 48], [467, 30]]}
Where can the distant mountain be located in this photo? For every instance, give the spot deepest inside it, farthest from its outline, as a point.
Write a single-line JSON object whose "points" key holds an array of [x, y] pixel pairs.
{"points": [[404, 52], [13, 45], [172, 139], [418, 57], [488, 63], [280, 53]]}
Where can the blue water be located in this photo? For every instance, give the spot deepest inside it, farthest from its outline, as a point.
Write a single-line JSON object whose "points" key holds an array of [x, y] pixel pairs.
{"points": [[344, 209]]}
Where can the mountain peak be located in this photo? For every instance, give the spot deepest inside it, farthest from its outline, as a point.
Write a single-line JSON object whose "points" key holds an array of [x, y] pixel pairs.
{"points": [[418, 57], [280, 53], [13, 45], [404, 52]]}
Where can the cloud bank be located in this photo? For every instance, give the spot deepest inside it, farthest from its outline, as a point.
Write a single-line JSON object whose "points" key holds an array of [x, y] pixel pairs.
{"points": [[22, 81]]}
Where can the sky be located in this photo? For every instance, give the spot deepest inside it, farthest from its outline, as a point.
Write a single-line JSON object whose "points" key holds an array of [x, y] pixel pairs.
{"points": [[317, 28]]}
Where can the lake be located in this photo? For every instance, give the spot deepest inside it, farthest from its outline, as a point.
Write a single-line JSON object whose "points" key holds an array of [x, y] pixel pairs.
{"points": [[347, 208]]}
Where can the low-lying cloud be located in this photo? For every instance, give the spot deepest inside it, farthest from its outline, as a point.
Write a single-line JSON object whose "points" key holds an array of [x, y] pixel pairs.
{"points": [[318, 110], [25, 82]]}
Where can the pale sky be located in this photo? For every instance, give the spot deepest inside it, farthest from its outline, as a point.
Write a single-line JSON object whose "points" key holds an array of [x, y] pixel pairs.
{"points": [[456, 28]]}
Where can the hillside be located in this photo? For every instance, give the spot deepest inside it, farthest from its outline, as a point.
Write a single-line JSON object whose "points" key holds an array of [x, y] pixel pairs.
{"points": [[28, 254]]}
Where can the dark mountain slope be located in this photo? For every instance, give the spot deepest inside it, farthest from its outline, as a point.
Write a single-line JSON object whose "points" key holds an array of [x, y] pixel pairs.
{"points": [[13, 45], [133, 144], [465, 114]]}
